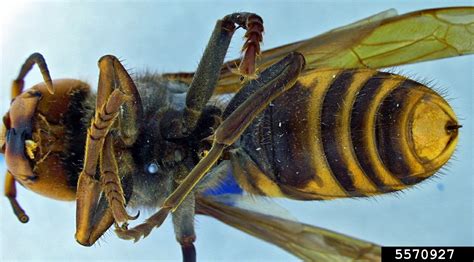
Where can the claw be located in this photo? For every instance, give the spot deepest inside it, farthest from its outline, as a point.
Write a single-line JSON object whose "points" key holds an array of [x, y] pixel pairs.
{"points": [[135, 216], [135, 234], [144, 229]]}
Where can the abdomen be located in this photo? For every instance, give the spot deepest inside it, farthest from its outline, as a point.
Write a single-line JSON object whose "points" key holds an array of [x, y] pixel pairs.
{"points": [[346, 134]]}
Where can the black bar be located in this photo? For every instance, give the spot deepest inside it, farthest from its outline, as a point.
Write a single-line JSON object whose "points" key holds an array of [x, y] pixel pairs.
{"points": [[400, 254]]}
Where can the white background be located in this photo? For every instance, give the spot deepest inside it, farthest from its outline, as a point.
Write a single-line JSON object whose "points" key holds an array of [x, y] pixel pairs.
{"points": [[170, 36]]}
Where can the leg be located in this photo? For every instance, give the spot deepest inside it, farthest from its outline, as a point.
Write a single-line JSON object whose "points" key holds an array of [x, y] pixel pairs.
{"points": [[183, 221], [132, 109], [286, 72], [103, 216], [207, 73], [88, 188], [35, 58], [109, 101], [10, 193], [111, 73], [110, 182]]}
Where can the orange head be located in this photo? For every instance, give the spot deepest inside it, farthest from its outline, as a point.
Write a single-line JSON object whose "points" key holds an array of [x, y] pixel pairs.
{"points": [[35, 138]]}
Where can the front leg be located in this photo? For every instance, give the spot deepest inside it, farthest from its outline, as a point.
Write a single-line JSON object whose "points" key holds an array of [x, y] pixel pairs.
{"points": [[88, 186], [110, 100]]}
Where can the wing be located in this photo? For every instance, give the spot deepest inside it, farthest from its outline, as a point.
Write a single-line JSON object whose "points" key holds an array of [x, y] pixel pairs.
{"points": [[382, 40], [307, 242]]}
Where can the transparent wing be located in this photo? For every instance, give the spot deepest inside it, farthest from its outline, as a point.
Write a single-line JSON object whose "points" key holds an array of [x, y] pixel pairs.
{"points": [[307, 242], [382, 40]]}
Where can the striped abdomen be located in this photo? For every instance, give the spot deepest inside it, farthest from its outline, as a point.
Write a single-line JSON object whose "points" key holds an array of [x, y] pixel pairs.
{"points": [[344, 134]]}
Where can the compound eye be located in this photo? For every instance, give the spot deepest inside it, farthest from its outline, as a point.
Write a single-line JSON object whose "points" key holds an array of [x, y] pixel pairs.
{"points": [[152, 167]]}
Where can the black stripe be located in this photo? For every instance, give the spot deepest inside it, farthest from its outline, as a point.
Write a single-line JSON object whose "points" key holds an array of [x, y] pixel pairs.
{"points": [[359, 116], [76, 121], [387, 128], [292, 164], [331, 111]]}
